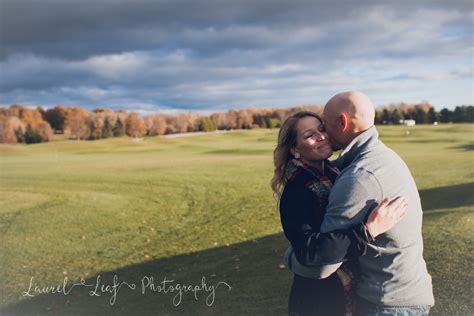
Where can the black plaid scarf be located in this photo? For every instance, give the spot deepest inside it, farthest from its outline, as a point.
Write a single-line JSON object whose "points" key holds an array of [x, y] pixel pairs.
{"points": [[312, 178]]}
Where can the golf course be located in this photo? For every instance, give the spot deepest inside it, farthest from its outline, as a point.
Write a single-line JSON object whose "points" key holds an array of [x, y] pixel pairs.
{"points": [[198, 212]]}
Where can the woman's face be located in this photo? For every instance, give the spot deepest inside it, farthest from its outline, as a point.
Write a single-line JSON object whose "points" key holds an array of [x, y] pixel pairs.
{"points": [[312, 141]]}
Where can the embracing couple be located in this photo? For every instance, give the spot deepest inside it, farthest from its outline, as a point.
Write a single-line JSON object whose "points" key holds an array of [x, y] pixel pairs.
{"points": [[354, 224]]}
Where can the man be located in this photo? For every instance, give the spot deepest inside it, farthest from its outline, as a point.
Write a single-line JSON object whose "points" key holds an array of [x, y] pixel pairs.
{"points": [[393, 276]]}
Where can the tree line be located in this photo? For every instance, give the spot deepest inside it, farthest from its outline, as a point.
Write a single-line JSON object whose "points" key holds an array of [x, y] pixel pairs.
{"points": [[19, 124], [423, 113]]}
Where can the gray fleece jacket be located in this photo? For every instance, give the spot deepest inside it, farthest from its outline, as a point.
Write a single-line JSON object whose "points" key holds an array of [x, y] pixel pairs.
{"points": [[393, 271]]}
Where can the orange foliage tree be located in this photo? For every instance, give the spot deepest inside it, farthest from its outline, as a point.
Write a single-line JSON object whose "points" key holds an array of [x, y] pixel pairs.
{"points": [[45, 131], [76, 123], [134, 125], [7, 135]]}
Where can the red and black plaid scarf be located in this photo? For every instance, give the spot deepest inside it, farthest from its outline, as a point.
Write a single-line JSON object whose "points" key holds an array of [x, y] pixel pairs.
{"points": [[312, 178]]}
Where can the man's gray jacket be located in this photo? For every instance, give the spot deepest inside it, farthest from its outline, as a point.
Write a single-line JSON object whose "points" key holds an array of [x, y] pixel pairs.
{"points": [[393, 271]]}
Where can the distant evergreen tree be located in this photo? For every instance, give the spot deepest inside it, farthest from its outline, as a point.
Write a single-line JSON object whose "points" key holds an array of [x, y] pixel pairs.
{"points": [[213, 124], [386, 116], [378, 118], [396, 117], [463, 113], [31, 135], [420, 116], [207, 125], [459, 114], [446, 115], [107, 128], [470, 114], [408, 115], [433, 116], [20, 135], [119, 128]]}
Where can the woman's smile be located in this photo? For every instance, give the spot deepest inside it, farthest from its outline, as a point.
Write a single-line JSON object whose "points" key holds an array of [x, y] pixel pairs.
{"points": [[323, 146]]}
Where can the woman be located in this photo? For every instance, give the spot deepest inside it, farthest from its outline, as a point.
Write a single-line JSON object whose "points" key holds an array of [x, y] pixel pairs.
{"points": [[302, 180]]}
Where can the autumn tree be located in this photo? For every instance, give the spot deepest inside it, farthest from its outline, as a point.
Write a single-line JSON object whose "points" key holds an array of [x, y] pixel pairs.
{"points": [[15, 110], [95, 124], [244, 119], [106, 113], [29, 116], [231, 119], [76, 122], [7, 135], [155, 124], [56, 117], [41, 111], [134, 126], [185, 122], [44, 131], [220, 119], [18, 128]]}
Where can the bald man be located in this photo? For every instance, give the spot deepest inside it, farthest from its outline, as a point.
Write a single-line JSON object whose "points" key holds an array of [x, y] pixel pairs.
{"points": [[347, 115], [393, 277]]}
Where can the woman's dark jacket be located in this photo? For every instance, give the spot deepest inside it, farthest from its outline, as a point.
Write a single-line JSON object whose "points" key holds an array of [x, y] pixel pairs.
{"points": [[301, 217]]}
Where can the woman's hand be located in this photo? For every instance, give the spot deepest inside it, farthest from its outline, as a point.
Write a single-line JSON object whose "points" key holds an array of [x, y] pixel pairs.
{"points": [[386, 215]]}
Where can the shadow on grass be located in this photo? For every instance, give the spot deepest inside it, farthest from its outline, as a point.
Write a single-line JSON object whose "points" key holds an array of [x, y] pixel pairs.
{"points": [[465, 147], [448, 197], [259, 285]]}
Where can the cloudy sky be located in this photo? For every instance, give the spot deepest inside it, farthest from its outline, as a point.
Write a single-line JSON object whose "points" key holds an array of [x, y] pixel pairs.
{"points": [[152, 56]]}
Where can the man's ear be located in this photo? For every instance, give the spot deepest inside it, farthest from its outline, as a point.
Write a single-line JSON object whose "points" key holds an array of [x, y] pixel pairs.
{"points": [[344, 120]]}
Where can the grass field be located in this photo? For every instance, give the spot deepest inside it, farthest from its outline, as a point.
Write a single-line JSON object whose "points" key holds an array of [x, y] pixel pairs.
{"points": [[199, 206]]}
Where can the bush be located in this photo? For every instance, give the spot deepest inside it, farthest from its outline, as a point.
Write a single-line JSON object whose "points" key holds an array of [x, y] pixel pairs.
{"points": [[31, 135], [207, 125], [274, 123]]}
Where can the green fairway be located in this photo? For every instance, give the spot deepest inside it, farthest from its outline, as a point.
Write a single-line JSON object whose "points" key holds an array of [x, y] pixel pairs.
{"points": [[194, 207]]}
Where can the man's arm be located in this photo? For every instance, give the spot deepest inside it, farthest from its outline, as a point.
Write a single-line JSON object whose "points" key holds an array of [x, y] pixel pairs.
{"points": [[351, 199]]}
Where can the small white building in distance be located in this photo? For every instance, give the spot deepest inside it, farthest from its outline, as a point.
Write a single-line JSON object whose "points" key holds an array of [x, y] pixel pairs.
{"points": [[408, 122]]}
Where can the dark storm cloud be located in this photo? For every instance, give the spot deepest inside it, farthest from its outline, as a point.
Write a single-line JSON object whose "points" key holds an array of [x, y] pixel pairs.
{"points": [[79, 29], [208, 54]]}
